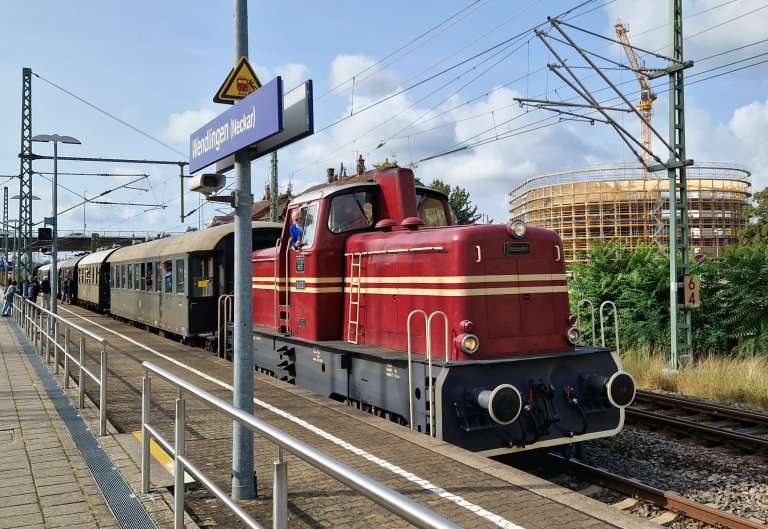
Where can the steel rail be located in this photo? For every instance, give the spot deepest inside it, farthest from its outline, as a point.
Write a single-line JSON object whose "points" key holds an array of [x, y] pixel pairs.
{"points": [[694, 510], [714, 410]]}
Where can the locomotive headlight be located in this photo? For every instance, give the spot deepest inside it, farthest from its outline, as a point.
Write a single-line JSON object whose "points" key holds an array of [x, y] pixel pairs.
{"points": [[517, 229], [574, 335], [468, 343], [467, 325]]}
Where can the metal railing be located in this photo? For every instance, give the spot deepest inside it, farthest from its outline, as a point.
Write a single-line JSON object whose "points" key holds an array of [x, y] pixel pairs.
{"points": [[44, 329], [394, 502], [224, 315], [428, 352]]}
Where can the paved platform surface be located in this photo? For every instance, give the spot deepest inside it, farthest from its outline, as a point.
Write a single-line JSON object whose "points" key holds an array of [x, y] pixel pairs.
{"points": [[467, 489]]}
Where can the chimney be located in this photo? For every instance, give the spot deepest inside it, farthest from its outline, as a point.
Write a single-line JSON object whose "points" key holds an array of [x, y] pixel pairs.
{"points": [[330, 175], [360, 164]]}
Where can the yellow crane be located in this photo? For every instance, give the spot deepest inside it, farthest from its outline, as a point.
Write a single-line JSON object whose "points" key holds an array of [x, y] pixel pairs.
{"points": [[647, 96]]}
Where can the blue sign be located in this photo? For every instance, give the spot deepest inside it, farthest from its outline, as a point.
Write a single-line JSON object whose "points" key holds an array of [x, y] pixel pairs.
{"points": [[256, 117]]}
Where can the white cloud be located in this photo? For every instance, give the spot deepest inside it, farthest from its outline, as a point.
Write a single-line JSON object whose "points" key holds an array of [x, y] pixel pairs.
{"points": [[293, 74], [369, 81], [181, 125]]}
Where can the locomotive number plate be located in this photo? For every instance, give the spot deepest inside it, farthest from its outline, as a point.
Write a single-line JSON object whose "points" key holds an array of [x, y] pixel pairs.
{"points": [[301, 284], [517, 248], [300, 263]]}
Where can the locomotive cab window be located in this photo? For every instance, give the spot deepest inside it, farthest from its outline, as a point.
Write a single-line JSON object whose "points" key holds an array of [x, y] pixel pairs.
{"points": [[431, 210], [350, 212], [305, 224]]}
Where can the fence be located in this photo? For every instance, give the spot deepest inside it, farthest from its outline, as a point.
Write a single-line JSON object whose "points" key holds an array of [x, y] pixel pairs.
{"points": [[44, 329], [395, 503]]}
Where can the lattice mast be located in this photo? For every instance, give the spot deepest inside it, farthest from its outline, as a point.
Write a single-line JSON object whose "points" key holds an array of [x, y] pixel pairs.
{"points": [[647, 96]]}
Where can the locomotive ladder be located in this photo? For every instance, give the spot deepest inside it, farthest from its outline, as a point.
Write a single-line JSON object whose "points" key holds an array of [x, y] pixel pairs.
{"points": [[355, 273]]}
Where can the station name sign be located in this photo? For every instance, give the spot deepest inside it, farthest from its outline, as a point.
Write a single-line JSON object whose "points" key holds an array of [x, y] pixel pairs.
{"points": [[258, 116]]}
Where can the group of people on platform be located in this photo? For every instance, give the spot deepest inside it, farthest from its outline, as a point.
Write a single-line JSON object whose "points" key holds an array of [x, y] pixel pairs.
{"points": [[34, 289]]}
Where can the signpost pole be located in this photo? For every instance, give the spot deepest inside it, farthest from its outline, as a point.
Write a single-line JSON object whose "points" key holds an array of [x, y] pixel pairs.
{"points": [[243, 480]]}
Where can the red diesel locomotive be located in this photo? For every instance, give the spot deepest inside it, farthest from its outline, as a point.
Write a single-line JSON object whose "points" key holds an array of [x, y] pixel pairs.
{"points": [[461, 332]]}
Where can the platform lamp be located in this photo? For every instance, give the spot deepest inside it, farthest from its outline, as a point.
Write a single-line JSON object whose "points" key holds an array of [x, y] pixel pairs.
{"points": [[17, 245], [56, 139]]}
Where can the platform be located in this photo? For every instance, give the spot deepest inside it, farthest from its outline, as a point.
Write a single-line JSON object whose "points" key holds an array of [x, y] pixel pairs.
{"points": [[467, 489]]}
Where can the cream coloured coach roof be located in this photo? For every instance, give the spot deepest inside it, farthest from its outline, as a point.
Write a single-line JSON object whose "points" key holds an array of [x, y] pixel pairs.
{"points": [[203, 240]]}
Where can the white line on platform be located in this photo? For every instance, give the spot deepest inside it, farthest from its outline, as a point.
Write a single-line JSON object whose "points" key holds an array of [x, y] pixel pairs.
{"points": [[458, 500]]}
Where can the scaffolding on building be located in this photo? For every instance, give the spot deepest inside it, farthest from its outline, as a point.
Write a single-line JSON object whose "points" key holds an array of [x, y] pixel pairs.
{"points": [[619, 203]]}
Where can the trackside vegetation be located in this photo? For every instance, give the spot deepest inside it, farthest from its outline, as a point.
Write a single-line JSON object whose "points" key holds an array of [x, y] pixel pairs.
{"points": [[730, 328]]}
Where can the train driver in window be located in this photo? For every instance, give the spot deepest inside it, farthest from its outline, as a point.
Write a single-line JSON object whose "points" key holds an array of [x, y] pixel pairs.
{"points": [[297, 229]]}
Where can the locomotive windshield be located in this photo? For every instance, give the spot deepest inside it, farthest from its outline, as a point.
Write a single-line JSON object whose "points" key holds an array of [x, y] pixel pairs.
{"points": [[351, 212], [431, 210]]}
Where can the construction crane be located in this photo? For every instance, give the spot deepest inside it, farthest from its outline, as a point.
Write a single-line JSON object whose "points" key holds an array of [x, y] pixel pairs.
{"points": [[647, 96]]}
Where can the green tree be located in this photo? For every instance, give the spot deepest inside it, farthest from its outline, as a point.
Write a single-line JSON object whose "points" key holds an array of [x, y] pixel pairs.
{"points": [[464, 212], [734, 296], [636, 281], [757, 232], [386, 164]]}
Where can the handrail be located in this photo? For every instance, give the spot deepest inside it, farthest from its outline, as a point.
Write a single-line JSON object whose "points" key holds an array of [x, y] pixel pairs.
{"points": [[592, 317], [615, 323], [428, 335], [224, 315], [394, 502], [30, 317]]}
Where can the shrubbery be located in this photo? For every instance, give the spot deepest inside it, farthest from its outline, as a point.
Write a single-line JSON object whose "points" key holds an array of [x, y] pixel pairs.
{"points": [[733, 317]]}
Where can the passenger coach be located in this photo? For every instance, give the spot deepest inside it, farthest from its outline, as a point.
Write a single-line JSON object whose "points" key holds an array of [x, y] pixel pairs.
{"points": [[174, 284], [93, 281]]}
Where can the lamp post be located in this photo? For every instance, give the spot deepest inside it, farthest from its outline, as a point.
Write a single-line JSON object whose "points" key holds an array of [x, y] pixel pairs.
{"points": [[85, 201], [22, 251], [56, 139]]}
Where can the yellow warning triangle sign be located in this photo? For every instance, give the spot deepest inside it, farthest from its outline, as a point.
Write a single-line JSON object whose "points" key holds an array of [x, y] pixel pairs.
{"points": [[239, 84]]}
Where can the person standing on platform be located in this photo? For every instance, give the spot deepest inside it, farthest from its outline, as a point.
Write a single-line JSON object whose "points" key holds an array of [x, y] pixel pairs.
{"points": [[65, 295], [45, 290], [32, 289], [10, 291]]}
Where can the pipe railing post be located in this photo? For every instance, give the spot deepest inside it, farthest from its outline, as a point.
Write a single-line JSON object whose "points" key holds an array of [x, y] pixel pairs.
{"points": [[280, 492], [103, 391], [178, 467], [146, 399], [66, 357], [81, 380]]}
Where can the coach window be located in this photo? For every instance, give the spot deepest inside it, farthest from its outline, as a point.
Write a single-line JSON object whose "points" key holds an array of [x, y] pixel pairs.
{"points": [[158, 277], [349, 212], [167, 272], [201, 277], [130, 276], [179, 276], [147, 269]]}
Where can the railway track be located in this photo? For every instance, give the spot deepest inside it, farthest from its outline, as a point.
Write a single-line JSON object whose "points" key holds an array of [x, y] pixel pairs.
{"points": [[664, 499], [720, 424]]}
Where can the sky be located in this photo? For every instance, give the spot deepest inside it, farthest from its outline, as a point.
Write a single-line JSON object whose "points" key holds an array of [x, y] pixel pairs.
{"points": [[430, 83]]}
